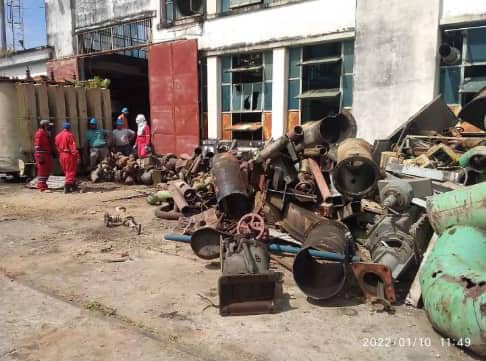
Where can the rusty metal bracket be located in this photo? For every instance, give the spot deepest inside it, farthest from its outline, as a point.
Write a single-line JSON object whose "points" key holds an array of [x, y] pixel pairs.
{"points": [[370, 276]]}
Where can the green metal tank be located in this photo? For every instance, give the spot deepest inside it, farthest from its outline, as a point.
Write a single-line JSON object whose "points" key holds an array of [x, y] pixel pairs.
{"points": [[453, 282], [465, 206]]}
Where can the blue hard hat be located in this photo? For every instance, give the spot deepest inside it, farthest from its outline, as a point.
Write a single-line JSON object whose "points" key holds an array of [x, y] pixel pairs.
{"points": [[119, 122], [92, 121], [67, 125], [124, 110]]}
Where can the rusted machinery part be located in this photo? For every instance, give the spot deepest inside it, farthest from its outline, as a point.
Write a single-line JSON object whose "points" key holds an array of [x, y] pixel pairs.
{"points": [[179, 200], [319, 279], [230, 186], [272, 150], [356, 174], [251, 224], [296, 135], [187, 191], [206, 243], [330, 130], [369, 277], [113, 220], [319, 179], [161, 213]]}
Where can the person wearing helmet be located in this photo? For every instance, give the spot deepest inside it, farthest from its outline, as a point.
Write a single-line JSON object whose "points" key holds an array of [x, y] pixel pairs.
{"points": [[142, 142], [97, 141], [122, 138], [43, 154], [124, 117], [68, 156]]}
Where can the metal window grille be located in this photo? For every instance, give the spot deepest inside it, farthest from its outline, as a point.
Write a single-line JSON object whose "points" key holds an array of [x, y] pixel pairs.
{"points": [[128, 39]]}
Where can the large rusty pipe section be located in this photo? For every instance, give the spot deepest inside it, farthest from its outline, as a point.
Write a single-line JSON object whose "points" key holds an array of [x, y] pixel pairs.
{"points": [[330, 130], [356, 174], [318, 279], [180, 202], [230, 186]]}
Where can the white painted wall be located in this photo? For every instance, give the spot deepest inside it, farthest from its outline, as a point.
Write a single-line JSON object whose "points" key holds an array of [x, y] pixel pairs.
{"points": [[60, 27], [279, 91], [214, 97], [396, 62], [457, 9], [295, 21], [18, 70]]}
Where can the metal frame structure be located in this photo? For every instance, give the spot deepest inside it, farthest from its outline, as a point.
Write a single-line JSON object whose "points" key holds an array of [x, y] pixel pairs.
{"points": [[129, 38]]}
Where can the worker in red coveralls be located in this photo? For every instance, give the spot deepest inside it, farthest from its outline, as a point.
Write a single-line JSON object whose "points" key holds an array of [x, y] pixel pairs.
{"points": [[142, 143], [43, 154], [68, 156]]}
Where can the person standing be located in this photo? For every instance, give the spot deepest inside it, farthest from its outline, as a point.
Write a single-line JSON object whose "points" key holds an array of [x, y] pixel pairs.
{"points": [[97, 140], [143, 137], [122, 138], [124, 117], [43, 154], [68, 156]]}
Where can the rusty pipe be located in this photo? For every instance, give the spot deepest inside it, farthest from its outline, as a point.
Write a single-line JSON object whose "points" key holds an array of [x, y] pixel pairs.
{"points": [[272, 150], [356, 174], [317, 279], [230, 186], [332, 129], [179, 200], [296, 135], [187, 191]]}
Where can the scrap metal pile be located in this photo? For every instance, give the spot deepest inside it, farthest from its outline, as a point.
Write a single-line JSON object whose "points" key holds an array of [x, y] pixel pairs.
{"points": [[340, 205]]}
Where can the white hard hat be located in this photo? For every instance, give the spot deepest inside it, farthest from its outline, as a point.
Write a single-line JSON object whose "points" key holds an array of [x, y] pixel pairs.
{"points": [[140, 118]]}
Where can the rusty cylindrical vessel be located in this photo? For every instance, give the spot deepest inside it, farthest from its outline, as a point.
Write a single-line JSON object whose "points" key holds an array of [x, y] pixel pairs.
{"points": [[318, 279], [230, 186], [330, 130], [356, 174]]}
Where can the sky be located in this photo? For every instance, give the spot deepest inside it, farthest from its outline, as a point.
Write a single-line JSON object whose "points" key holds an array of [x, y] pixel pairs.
{"points": [[34, 23]]}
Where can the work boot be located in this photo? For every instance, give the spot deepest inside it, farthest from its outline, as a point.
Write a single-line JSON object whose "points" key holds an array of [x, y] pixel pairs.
{"points": [[68, 188]]}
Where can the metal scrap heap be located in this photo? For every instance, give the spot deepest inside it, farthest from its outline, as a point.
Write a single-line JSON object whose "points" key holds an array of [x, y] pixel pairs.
{"points": [[337, 204]]}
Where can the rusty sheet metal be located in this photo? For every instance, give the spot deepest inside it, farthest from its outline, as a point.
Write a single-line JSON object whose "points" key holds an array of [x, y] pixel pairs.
{"points": [[225, 124], [475, 111], [293, 119], [174, 96], [267, 125]]}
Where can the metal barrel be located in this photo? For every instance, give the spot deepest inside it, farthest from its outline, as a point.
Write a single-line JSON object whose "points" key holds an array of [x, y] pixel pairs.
{"points": [[356, 174], [205, 242], [330, 130], [230, 186], [318, 279]]}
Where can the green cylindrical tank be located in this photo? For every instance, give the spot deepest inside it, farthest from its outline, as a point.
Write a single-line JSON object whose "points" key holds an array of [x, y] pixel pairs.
{"points": [[465, 206], [453, 282]]}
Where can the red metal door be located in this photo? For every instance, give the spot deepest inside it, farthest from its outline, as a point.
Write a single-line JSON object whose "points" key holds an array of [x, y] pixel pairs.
{"points": [[174, 96]]}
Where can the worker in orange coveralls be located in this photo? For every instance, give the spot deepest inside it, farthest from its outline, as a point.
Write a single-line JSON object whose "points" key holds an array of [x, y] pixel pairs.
{"points": [[68, 156], [43, 154]]}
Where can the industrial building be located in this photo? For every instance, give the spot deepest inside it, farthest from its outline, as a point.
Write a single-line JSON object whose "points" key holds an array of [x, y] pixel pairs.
{"points": [[251, 69]]}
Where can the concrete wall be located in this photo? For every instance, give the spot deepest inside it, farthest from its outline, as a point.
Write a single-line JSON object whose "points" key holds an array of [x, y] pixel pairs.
{"points": [[60, 27], [15, 65], [99, 12], [463, 10], [396, 62]]}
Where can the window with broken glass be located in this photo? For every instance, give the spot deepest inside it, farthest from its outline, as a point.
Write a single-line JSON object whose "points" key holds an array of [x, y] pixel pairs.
{"points": [[247, 92], [320, 79], [463, 64], [179, 10]]}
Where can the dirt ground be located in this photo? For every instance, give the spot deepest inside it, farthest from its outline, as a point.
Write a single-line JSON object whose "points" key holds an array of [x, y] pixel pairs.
{"points": [[72, 289]]}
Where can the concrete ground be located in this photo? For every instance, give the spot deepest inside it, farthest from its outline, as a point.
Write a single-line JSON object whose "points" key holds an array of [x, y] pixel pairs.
{"points": [[72, 289]]}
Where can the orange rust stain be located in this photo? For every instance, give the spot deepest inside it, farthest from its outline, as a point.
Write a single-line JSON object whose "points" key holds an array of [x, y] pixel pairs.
{"points": [[226, 124], [267, 126], [293, 119]]}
